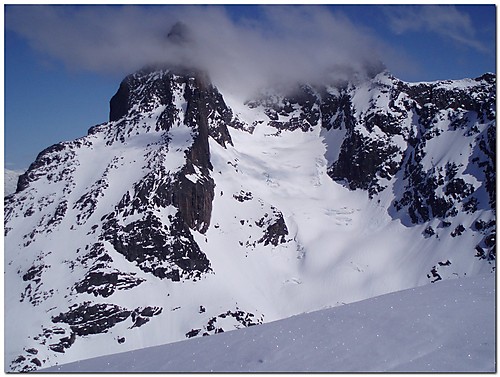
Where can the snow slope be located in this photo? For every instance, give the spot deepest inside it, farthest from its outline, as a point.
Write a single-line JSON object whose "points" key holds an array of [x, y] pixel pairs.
{"points": [[444, 327]]}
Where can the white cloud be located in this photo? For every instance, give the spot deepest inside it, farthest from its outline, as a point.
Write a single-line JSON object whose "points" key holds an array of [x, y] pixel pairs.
{"points": [[444, 20], [287, 42]]}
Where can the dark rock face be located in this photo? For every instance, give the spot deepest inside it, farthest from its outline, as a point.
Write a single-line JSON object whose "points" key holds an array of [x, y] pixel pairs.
{"points": [[119, 103], [194, 199], [34, 291], [243, 196], [170, 252], [240, 319], [297, 110], [369, 154], [165, 251], [141, 316], [104, 283], [421, 195], [487, 163], [335, 110], [101, 279], [434, 275], [88, 318], [55, 163], [440, 192], [275, 230], [382, 143], [205, 113], [363, 161], [486, 248], [421, 199]]}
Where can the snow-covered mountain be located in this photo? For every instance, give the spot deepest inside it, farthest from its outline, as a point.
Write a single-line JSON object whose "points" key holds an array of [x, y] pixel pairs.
{"points": [[443, 327], [192, 213]]}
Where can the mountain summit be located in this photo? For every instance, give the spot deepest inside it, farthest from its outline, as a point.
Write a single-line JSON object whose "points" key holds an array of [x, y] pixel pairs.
{"points": [[185, 216], [180, 34]]}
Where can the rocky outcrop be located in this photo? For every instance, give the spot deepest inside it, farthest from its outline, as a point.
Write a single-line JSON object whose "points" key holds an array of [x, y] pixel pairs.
{"points": [[388, 125], [237, 318], [204, 112], [104, 283], [297, 109], [166, 251], [439, 189], [275, 230]]}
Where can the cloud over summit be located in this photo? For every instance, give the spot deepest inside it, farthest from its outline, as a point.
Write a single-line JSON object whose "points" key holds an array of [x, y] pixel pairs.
{"points": [[299, 43]]}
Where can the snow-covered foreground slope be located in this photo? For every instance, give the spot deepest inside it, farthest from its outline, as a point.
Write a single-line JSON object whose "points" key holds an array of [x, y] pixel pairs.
{"points": [[444, 327]]}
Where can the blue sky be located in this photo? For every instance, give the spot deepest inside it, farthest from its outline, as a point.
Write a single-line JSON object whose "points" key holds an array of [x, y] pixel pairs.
{"points": [[63, 63]]}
